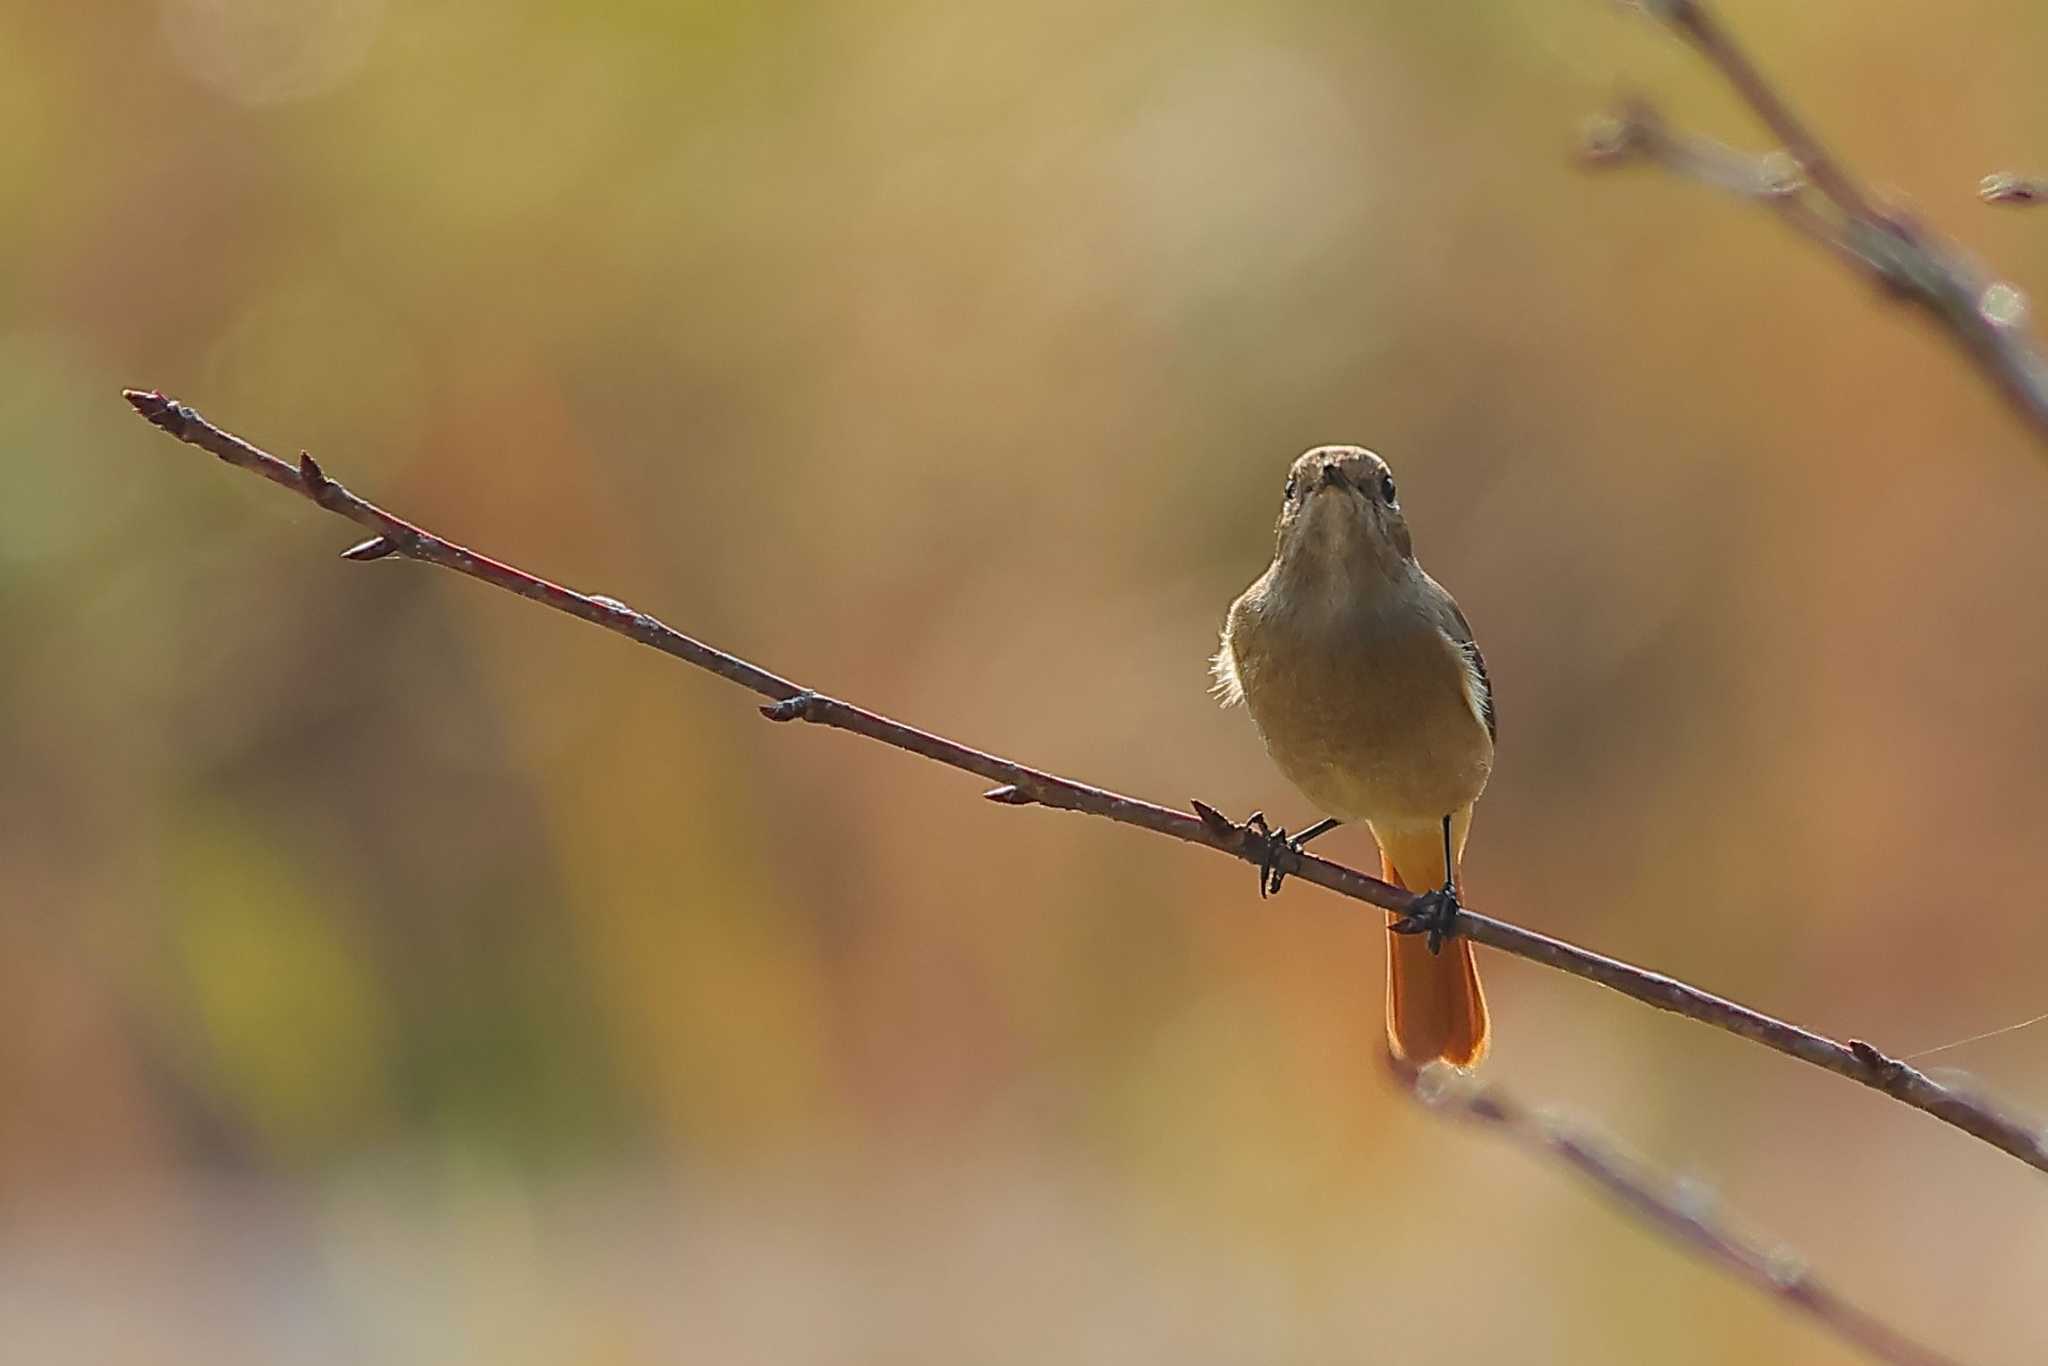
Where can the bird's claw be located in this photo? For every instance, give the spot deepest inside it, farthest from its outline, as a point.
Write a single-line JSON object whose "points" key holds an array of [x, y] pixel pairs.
{"points": [[1433, 913], [1278, 844]]}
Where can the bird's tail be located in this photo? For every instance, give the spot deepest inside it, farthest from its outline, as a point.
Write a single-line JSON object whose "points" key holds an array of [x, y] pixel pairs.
{"points": [[1435, 1009]]}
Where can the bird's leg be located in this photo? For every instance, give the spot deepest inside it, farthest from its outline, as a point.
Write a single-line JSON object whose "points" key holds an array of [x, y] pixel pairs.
{"points": [[1271, 874], [1435, 913]]}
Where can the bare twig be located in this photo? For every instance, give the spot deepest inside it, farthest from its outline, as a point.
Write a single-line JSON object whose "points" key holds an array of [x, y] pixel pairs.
{"points": [[1683, 1214], [1637, 132], [1698, 24], [1018, 785], [1983, 316]]}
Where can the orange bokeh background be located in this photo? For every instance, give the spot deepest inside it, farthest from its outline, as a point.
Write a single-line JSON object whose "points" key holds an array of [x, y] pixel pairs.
{"points": [[398, 972]]}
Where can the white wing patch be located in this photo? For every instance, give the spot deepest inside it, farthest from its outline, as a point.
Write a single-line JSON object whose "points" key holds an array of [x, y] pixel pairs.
{"points": [[1475, 680], [1228, 689]]}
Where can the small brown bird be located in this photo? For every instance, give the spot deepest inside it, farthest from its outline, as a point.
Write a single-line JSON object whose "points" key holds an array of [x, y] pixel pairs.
{"points": [[1363, 679]]}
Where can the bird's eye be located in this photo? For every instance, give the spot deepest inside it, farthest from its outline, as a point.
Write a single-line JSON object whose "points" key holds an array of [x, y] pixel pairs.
{"points": [[1387, 488], [1287, 495]]}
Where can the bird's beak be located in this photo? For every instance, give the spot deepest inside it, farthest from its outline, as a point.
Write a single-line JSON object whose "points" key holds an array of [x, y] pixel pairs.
{"points": [[1334, 477]]}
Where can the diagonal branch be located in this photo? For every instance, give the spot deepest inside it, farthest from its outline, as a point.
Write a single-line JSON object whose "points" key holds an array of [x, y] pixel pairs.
{"points": [[1683, 1214], [1637, 132], [1018, 785], [1985, 317], [1698, 25]]}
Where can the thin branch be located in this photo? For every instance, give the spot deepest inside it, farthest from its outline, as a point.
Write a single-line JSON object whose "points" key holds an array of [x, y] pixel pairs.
{"points": [[1637, 132], [1984, 317], [1684, 1214], [1703, 30], [1018, 785]]}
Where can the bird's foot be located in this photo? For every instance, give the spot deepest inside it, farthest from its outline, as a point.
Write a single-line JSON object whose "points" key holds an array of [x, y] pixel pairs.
{"points": [[1434, 914], [1272, 860]]}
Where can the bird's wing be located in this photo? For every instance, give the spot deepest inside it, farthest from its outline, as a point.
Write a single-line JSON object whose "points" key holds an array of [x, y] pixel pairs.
{"points": [[1460, 631]]}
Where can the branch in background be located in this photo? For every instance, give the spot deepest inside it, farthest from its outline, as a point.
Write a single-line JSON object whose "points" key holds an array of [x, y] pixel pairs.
{"points": [[2007, 187], [1637, 132], [1018, 785], [1817, 195], [1682, 1212]]}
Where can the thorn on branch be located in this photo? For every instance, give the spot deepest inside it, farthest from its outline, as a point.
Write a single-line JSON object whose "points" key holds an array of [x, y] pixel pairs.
{"points": [[376, 548], [311, 475], [1009, 794], [793, 708], [1214, 821]]}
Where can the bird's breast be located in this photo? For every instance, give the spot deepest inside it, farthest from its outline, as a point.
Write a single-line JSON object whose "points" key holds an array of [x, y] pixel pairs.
{"points": [[1372, 717]]}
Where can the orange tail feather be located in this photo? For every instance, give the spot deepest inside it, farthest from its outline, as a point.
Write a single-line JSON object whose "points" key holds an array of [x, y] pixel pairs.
{"points": [[1435, 1009]]}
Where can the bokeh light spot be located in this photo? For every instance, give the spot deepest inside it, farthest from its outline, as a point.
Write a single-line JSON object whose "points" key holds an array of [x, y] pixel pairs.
{"points": [[270, 51]]}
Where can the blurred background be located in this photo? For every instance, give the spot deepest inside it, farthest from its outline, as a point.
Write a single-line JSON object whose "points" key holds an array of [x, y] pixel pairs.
{"points": [[395, 971]]}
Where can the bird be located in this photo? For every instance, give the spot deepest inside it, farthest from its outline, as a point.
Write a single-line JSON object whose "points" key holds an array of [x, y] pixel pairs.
{"points": [[1362, 677]]}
